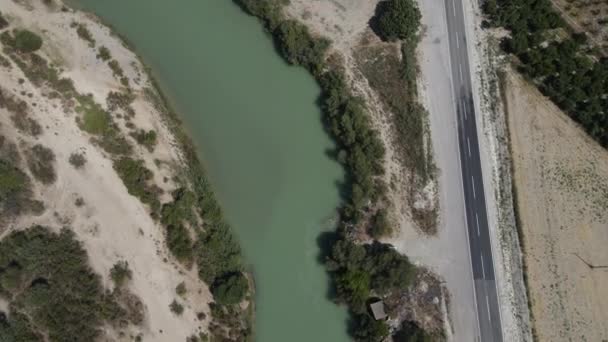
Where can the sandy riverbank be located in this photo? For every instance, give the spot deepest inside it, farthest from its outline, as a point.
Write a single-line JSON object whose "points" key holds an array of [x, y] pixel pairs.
{"points": [[112, 224]]}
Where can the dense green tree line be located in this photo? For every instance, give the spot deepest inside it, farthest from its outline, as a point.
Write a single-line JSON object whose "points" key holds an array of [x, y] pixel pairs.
{"points": [[360, 271], [563, 68]]}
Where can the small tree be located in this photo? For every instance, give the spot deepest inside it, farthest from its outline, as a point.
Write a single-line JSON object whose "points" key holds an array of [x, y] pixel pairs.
{"points": [[181, 289], [230, 289], [77, 160], [120, 273], [397, 19], [176, 308], [27, 41]]}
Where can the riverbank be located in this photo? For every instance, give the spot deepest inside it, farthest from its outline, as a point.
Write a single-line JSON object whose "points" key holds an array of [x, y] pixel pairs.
{"points": [[125, 174], [363, 150]]}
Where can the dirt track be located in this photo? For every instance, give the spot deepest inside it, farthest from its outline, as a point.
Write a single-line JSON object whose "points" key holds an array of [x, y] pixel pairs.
{"points": [[562, 195]]}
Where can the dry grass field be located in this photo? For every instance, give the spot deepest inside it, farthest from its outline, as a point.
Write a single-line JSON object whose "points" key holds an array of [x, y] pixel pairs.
{"points": [[561, 177]]}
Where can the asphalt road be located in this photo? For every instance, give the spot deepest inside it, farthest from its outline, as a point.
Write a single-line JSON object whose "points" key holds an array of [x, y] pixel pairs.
{"points": [[488, 314]]}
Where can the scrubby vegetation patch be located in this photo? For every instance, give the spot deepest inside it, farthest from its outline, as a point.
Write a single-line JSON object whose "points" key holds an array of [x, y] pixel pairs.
{"points": [[53, 293]]}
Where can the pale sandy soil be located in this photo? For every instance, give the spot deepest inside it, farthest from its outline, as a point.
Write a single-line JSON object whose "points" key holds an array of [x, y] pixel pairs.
{"points": [[112, 224], [562, 195]]}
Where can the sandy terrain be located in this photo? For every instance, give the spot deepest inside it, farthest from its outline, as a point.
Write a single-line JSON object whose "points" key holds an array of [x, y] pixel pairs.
{"points": [[562, 194], [112, 224]]}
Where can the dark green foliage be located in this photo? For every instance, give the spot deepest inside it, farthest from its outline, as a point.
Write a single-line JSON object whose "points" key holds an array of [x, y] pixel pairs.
{"points": [[95, 120], [179, 242], [17, 328], [361, 151], [410, 332], [145, 138], [268, 11], [230, 289], [218, 252], [120, 273], [362, 270], [298, 47], [27, 41], [136, 177], [121, 100], [12, 181], [366, 329], [41, 162], [77, 160], [180, 289], [51, 288], [85, 34], [181, 209], [104, 54], [380, 225], [577, 83], [397, 19], [176, 307], [15, 186], [3, 22]]}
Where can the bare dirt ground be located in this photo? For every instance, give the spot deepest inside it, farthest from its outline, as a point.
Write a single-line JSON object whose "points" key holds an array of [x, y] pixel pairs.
{"points": [[112, 224], [562, 197]]}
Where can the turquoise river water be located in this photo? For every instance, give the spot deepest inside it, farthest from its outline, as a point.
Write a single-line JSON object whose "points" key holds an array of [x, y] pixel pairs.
{"points": [[260, 136]]}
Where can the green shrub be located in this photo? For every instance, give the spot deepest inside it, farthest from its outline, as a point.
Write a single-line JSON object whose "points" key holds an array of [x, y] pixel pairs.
{"points": [[380, 225], [397, 19], [179, 242], [367, 329], [104, 54], [95, 119], [84, 33], [298, 47], [3, 22], [359, 270], [15, 190], [27, 41], [116, 68], [218, 253], [120, 100], [146, 139], [12, 181], [180, 289], [41, 162], [230, 289], [120, 273], [77, 160], [51, 288], [176, 308], [136, 176]]}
